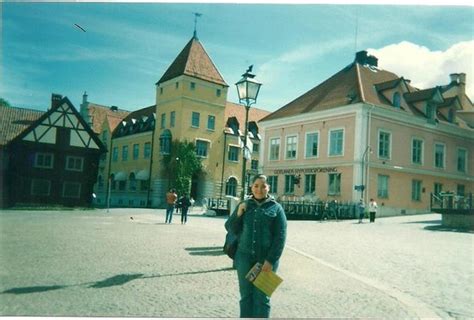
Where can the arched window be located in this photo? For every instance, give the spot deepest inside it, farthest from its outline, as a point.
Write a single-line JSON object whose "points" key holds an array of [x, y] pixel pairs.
{"points": [[133, 182], [231, 187], [165, 142], [396, 100]]}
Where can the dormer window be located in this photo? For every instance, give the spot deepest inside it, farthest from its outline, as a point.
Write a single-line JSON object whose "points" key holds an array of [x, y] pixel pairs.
{"points": [[451, 115], [396, 100]]}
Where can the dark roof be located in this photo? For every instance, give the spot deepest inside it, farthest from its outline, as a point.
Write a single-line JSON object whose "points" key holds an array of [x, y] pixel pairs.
{"points": [[420, 95], [14, 121], [193, 61], [141, 120], [353, 84], [387, 84], [138, 114]]}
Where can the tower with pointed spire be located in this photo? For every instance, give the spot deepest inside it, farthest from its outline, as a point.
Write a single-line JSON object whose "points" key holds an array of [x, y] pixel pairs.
{"points": [[191, 99]]}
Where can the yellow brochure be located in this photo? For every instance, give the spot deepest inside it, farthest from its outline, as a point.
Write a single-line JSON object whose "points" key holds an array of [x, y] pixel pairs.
{"points": [[267, 282]]}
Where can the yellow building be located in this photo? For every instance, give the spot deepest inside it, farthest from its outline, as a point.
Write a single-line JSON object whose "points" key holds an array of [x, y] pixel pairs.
{"points": [[191, 105], [367, 133]]}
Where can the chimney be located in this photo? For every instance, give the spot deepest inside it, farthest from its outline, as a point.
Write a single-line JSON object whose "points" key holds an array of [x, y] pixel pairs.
{"points": [[55, 99], [363, 58], [84, 97], [454, 77]]}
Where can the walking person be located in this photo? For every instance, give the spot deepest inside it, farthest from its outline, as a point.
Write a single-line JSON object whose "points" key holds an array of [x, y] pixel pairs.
{"points": [[184, 204], [372, 210], [171, 197], [361, 209], [261, 224]]}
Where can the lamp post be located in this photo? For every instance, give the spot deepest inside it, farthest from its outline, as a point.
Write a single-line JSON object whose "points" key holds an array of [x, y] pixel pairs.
{"points": [[247, 89], [367, 149]]}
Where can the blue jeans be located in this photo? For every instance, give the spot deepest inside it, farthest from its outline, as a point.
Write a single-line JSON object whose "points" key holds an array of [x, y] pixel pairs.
{"points": [[169, 212], [253, 302]]}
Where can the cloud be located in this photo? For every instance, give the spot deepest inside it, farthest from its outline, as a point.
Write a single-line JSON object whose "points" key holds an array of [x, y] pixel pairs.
{"points": [[427, 68]]}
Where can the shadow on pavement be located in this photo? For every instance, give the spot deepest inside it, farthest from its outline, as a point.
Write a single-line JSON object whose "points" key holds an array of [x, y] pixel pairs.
{"points": [[205, 251], [438, 221], [447, 229], [117, 280], [32, 289]]}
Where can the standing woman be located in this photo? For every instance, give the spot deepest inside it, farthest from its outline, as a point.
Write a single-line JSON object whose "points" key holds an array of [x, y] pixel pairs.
{"points": [[260, 222], [372, 210]]}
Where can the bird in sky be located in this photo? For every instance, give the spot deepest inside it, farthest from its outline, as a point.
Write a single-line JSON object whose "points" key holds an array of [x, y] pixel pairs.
{"points": [[78, 26]]}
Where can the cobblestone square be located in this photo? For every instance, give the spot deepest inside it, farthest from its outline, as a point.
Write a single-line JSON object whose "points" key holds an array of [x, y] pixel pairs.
{"points": [[128, 263]]}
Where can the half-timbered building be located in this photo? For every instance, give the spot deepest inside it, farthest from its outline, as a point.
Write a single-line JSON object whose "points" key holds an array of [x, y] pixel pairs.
{"points": [[48, 157]]}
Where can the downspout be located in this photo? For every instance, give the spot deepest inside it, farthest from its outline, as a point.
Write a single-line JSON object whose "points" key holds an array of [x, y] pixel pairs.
{"points": [[108, 191], [148, 204], [369, 125], [223, 163]]}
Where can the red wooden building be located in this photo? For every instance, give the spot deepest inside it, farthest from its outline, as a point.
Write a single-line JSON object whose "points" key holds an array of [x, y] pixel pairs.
{"points": [[47, 157]]}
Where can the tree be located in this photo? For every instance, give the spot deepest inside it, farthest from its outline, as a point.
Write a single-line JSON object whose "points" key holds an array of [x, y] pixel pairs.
{"points": [[181, 164], [4, 103]]}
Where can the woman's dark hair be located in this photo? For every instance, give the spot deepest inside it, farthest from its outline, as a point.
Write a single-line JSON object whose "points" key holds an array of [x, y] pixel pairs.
{"points": [[260, 176]]}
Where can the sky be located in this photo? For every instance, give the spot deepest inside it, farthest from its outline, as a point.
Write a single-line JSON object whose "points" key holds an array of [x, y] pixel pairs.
{"points": [[123, 49]]}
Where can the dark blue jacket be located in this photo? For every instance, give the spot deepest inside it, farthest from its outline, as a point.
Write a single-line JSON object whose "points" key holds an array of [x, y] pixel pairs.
{"points": [[261, 229]]}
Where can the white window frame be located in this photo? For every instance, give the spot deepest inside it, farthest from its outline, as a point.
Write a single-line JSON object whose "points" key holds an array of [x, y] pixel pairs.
{"points": [[336, 192], [343, 142], [208, 142], [422, 151], [289, 184], [419, 191], [198, 119], [306, 144], [466, 157], [272, 182], [209, 117], [444, 155], [379, 132], [306, 182], [74, 158], [42, 165], [270, 148], [381, 190], [234, 147], [295, 144]]}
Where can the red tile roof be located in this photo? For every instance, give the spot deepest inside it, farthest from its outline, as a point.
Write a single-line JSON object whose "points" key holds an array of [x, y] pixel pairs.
{"points": [[14, 121], [193, 61], [353, 84], [99, 113]]}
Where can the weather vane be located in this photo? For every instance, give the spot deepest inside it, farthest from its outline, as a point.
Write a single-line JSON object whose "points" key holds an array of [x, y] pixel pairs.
{"points": [[196, 15]]}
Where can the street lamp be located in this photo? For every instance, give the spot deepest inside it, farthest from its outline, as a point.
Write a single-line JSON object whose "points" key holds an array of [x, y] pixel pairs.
{"points": [[247, 89]]}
